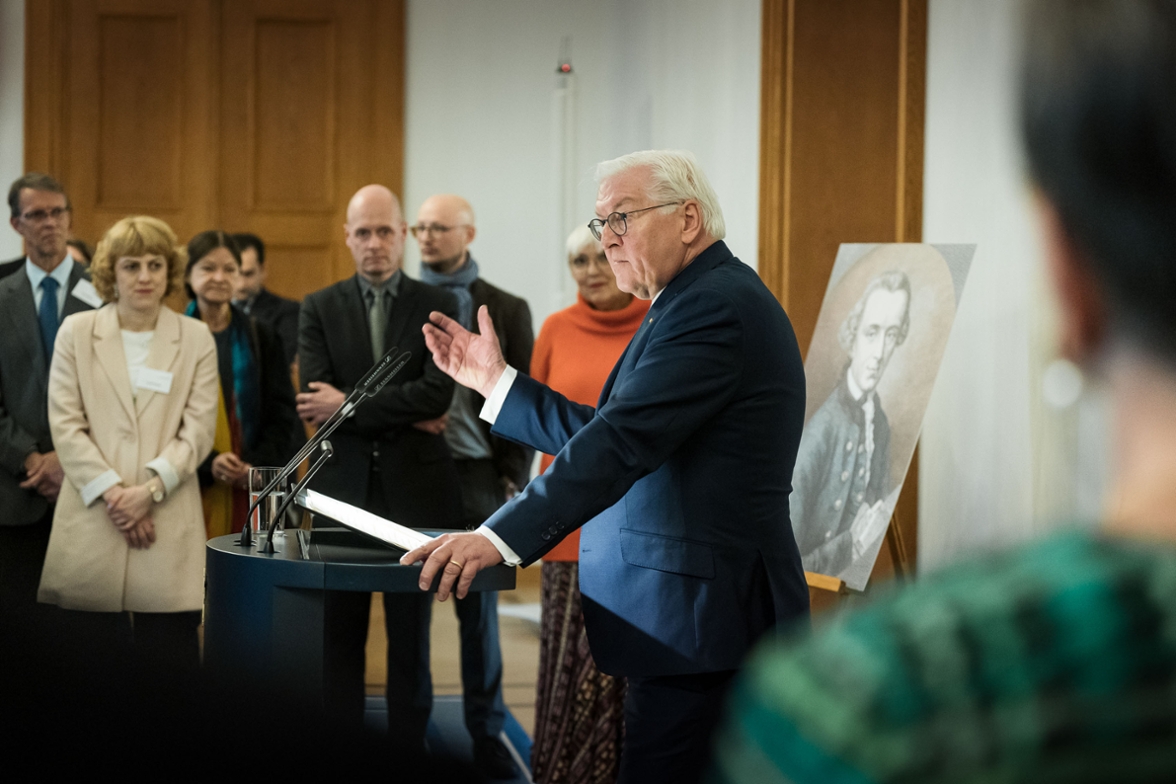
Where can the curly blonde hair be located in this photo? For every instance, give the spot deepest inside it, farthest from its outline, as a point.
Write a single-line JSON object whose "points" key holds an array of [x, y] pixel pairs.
{"points": [[137, 235]]}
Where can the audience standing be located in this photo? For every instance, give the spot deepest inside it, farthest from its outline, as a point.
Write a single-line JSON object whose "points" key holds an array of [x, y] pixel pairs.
{"points": [[492, 469], [47, 287], [132, 409], [578, 709], [255, 421], [278, 313], [1053, 662]]}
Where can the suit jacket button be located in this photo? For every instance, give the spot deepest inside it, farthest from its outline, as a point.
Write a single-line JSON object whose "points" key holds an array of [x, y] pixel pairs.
{"points": [[837, 504], [844, 476], [545, 536], [848, 446]]}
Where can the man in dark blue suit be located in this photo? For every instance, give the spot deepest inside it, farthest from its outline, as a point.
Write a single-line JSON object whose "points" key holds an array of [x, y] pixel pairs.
{"points": [[680, 475]]}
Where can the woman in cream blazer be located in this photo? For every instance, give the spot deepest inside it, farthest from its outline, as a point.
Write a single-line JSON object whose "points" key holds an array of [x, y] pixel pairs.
{"points": [[132, 409]]}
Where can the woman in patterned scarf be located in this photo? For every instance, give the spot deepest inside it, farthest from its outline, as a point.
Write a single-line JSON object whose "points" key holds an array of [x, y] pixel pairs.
{"points": [[256, 423]]}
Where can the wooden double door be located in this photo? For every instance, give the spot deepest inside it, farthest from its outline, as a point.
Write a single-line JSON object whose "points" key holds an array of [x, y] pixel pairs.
{"points": [[244, 115]]}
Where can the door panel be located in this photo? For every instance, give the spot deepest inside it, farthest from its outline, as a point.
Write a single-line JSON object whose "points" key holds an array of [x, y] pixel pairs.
{"points": [[236, 114]]}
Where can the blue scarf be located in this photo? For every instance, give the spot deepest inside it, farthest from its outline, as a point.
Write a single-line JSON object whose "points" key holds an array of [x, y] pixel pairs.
{"points": [[246, 386], [459, 283]]}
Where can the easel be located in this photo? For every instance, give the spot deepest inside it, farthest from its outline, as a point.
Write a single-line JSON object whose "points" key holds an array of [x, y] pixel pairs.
{"points": [[827, 593]]}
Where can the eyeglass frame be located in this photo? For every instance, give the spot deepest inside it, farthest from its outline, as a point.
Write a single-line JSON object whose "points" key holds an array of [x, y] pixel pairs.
{"points": [[38, 217], [596, 225], [434, 228]]}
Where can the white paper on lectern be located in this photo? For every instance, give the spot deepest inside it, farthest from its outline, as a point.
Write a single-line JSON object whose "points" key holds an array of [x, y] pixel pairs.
{"points": [[363, 521]]}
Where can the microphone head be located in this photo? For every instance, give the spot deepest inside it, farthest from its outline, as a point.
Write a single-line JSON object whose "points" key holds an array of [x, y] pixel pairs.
{"points": [[376, 371], [389, 372]]}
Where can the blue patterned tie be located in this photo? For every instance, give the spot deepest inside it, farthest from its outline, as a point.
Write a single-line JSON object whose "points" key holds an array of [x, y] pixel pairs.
{"points": [[48, 314]]}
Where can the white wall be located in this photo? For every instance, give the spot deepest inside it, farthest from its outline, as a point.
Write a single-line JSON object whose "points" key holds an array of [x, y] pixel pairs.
{"points": [[997, 465], [11, 111], [481, 121]]}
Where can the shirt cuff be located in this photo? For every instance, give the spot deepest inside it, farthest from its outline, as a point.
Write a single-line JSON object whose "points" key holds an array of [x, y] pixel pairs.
{"points": [[497, 397], [165, 471], [509, 556], [99, 485]]}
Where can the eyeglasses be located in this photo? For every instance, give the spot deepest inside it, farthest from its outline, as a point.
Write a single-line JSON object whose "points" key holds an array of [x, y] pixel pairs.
{"points": [[40, 216], [619, 221], [433, 228]]}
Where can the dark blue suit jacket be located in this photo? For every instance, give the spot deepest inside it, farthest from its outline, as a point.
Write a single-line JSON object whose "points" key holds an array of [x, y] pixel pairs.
{"points": [[680, 477]]}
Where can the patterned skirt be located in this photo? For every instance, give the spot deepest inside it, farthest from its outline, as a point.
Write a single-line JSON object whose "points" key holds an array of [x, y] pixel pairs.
{"points": [[579, 711]]}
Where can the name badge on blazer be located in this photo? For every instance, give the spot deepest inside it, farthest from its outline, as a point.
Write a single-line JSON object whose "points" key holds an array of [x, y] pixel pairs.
{"points": [[154, 380], [86, 292]]}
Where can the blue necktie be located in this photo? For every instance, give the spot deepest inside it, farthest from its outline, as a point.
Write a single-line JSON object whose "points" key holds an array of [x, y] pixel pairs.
{"points": [[48, 314]]}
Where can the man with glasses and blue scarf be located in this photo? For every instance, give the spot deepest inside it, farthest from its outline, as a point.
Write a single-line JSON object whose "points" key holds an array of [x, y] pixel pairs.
{"points": [[492, 469]]}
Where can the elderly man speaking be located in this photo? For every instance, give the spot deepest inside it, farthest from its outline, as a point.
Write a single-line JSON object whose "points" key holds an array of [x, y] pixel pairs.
{"points": [[680, 476]]}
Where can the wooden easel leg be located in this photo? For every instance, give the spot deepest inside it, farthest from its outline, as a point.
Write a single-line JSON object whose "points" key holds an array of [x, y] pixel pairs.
{"points": [[898, 550]]}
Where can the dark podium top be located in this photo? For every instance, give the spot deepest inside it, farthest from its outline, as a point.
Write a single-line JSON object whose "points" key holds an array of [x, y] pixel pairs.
{"points": [[263, 612]]}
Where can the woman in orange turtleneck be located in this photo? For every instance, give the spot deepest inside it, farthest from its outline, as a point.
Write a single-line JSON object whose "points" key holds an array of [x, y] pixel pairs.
{"points": [[579, 710]]}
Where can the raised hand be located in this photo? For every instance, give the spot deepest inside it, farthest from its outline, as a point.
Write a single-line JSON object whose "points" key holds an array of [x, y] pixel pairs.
{"points": [[474, 361]]}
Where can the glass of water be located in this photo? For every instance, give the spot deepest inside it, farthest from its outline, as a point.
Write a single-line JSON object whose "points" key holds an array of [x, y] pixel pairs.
{"points": [[260, 478]]}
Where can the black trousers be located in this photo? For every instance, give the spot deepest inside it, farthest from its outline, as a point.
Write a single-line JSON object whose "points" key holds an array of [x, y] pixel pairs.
{"points": [[347, 615], [669, 721], [482, 494], [22, 554]]}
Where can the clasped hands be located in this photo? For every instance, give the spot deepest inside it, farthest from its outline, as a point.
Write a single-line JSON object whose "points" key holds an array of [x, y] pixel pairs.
{"points": [[475, 361], [129, 509], [230, 469], [44, 474]]}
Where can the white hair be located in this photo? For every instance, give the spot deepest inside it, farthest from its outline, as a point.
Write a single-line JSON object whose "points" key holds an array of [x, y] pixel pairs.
{"points": [[676, 176], [580, 238]]}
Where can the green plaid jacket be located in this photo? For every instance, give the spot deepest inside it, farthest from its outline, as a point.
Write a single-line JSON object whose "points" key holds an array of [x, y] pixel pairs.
{"points": [[1052, 663]]}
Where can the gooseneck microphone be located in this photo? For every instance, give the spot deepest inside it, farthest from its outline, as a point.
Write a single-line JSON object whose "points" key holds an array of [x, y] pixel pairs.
{"points": [[368, 387]]}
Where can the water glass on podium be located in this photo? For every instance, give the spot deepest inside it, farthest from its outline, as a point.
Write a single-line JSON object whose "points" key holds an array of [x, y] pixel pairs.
{"points": [[259, 479]]}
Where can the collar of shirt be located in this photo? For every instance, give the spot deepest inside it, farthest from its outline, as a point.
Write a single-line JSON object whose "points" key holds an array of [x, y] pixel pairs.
{"points": [[392, 286], [60, 273], [854, 390]]}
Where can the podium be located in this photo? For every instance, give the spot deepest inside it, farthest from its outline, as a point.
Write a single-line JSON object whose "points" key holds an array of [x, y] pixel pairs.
{"points": [[263, 612]]}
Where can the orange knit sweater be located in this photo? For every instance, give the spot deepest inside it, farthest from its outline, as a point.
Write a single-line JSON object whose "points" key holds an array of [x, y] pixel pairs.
{"points": [[574, 353]]}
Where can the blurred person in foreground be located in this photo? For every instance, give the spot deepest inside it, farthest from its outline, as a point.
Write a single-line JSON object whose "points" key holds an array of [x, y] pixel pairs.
{"points": [[1056, 661], [255, 421], [132, 408], [578, 709]]}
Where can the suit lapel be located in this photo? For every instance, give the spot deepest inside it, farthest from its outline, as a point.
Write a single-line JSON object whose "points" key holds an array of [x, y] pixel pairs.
{"points": [[165, 346], [402, 306], [705, 262], [16, 299], [628, 358], [108, 348]]}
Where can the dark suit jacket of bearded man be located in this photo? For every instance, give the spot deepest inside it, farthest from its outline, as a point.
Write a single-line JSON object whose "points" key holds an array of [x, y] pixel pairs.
{"points": [[280, 315], [680, 478], [415, 468]]}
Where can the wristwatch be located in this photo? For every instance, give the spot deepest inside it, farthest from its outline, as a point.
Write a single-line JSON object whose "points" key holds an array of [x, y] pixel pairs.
{"points": [[155, 487]]}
